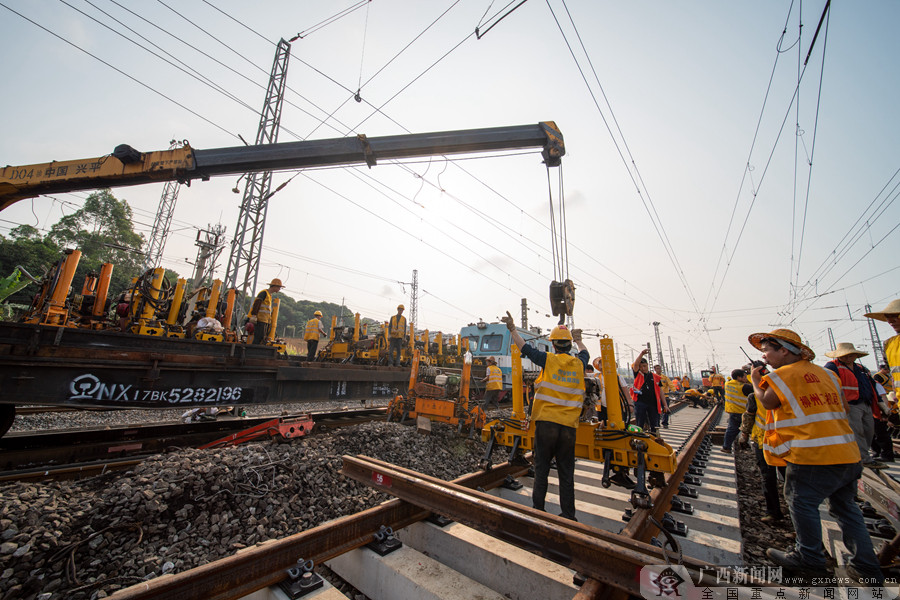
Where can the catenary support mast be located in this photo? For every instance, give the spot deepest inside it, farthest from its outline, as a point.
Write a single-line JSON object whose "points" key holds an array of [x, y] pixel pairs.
{"points": [[243, 262]]}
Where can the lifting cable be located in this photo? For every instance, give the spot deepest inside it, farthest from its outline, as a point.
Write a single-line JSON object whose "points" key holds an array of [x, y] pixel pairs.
{"points": [[562, 291]]}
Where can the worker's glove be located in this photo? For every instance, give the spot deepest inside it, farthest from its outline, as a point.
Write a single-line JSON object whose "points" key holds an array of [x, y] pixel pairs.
{"points": [[510, 322], [576, 335], [743, 440], [252, 318]]}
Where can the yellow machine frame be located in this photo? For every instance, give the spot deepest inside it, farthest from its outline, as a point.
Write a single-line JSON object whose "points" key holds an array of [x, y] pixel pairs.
{"points": [[418, 402], [616, 445]]}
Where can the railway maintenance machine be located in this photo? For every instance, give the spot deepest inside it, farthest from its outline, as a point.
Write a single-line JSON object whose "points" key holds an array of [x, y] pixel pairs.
{"points": [[615, 444]]}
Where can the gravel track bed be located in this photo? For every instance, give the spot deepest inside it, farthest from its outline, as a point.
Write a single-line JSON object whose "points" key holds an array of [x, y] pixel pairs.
{"points": [[175, 511], [94, 418], [189, 507]]}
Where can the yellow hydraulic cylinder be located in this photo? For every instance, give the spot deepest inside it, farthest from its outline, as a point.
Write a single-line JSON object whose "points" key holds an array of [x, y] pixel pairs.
{"points": [[276, 303], [614, 417], [214, 298], [66, 274], [518, 398], [333, 325], [355, 327], [439, 340], [464, 384], [176, 301], [102, 289], [230, 297], [155, 287], [412, 338]]}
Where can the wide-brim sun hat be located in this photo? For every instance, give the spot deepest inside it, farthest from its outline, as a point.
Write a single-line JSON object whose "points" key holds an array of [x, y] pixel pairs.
{"points": [[845, 349], [783, 335], [891, 309]]}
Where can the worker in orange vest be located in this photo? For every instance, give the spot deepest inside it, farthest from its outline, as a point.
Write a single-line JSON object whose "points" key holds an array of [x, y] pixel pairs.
{"points": [[809, 435]]}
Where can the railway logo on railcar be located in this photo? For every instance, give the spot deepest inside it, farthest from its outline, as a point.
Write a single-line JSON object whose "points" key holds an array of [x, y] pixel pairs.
{"points": [[83, 387]]}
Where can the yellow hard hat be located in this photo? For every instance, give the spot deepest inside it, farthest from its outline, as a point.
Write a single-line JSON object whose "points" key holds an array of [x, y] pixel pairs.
{"points": [[318, 313], [276, 282], [560, 332], [401, 307]]}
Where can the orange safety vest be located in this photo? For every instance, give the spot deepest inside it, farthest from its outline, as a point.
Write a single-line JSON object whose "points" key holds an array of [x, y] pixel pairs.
{"points": [[312, 329], [559, 394], [810, 426], [716, 380], [639, 383], [495, 378], [397, 327], [686, 383], [849, 382]]}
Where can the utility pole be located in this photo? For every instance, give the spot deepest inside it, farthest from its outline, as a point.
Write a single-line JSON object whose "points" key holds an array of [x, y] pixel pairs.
{"points": [[659, 352], [671, 359], [678, 368], [878, 349], [687, 363], [831, 338], [525, 314], [160, 232], [210, 243], [649, 356], [414, 298], [243, 262]]}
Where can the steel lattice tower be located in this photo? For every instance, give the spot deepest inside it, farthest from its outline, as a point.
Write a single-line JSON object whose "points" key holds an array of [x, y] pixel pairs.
{"points": [[414, 299], [659, 352], [877, 347], [243, 262], [160, 232], [210, 243]]}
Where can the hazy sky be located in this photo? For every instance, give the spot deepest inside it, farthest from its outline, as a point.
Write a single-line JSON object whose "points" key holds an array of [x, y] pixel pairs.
{"points": [[689, 194]]}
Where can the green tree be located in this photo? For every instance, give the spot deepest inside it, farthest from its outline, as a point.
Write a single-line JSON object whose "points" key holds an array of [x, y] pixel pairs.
{"points": [[103, 230], [26, 248]]}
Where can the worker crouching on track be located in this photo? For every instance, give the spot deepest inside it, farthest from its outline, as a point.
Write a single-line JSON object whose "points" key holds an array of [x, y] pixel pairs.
{"points": [[558, 399], [312, 334], [494, 379], [808, 433], [261, 312]]}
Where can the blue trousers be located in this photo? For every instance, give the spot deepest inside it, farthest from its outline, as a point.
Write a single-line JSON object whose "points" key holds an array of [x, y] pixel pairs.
{"points": [[733, 429], [805, 488]]}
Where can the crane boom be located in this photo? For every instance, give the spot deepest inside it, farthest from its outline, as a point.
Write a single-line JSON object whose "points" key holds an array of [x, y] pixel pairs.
{"points": [[127, 166]]}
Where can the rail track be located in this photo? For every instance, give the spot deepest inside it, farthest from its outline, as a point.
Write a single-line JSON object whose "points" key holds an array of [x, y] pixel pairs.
{"points": [[81, 452]]}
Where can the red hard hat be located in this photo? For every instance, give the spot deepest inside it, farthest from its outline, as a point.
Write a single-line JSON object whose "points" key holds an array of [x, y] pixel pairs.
{"points": [[249, 327]]}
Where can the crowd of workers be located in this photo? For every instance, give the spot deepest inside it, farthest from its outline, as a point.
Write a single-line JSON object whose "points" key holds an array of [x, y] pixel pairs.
{"points": [[813, 429]]}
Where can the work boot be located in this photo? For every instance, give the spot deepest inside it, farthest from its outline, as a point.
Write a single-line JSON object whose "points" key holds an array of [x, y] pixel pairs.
{"points": [[793, 561], [726, 450]]}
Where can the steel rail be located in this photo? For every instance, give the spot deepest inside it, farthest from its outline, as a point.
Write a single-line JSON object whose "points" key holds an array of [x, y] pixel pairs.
{"points": [[610, 559], [264, 565], [79, 453]]}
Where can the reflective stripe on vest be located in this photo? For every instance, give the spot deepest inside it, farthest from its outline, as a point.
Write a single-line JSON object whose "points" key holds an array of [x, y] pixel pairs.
{"points": [[495, 378], [312, 329], [397, 326], [759, 424], [735, 400], [849, 382], [264, 313], [810, 426], [559, 395]]}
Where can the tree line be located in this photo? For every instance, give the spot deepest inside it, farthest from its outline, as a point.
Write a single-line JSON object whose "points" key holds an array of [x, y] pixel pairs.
{"points": [[103, 230]]}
